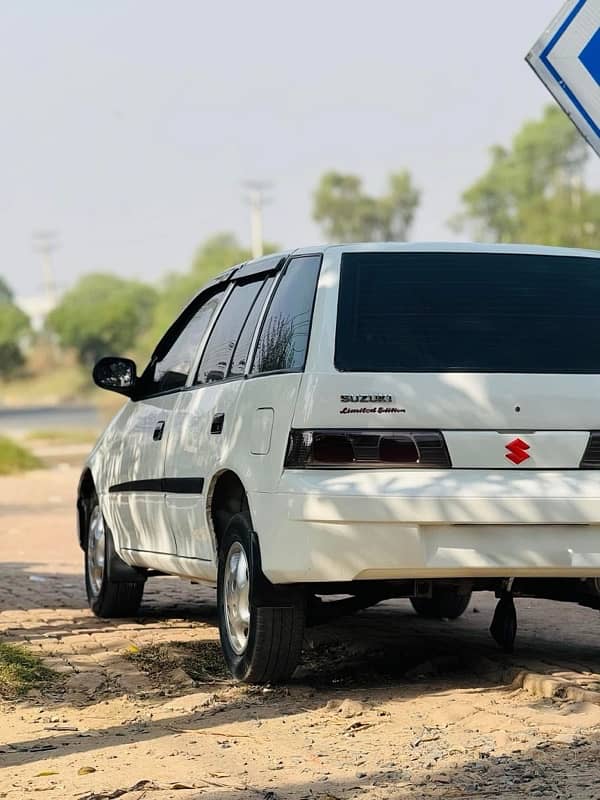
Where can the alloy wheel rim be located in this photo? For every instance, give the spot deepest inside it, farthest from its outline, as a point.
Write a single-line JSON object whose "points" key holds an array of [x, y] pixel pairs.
{"points": [[237, 598], [96, 550]]}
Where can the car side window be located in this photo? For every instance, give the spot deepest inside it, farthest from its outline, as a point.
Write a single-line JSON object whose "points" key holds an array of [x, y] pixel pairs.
{"points": [[283, 340], [172, 370], [219, 349], [242, 348]]}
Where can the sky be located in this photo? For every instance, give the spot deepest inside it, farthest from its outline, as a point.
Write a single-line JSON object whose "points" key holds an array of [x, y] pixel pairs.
{"points": [[130, 126]]}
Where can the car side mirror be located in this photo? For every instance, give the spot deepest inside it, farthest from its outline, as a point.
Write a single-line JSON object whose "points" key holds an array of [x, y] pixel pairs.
{"points": [[116, 374]]}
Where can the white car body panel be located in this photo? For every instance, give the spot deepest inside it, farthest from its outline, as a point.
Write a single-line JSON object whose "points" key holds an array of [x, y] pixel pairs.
{"points": [[192, 450], [132, 454], [258, 472], [346, 525], [454, 401], [484, 517]]}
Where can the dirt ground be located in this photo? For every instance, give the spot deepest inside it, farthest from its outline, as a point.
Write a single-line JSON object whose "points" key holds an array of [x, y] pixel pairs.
{"points": [[385, 705]]}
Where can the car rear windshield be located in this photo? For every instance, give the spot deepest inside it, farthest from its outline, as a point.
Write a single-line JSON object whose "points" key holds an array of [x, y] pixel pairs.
{"points": [[468, 312]]}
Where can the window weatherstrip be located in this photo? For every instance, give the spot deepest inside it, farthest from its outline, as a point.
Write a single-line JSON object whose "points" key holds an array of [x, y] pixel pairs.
{"points": [[261, 319], [228, 375]]}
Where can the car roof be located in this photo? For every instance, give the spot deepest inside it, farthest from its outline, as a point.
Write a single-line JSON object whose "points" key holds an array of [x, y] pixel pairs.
{"points": [[447, 247], [266, 263], [274, 261]]}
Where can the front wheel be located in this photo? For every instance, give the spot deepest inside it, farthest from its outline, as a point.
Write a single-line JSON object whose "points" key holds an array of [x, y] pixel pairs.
{"points": [[107, 598], [261, 627], [443, 604]]}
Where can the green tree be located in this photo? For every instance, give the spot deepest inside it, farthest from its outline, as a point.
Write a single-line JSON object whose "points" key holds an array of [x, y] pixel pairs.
{"points": [[6, 293], [14, 329], [534, 191], [101, 315], [346, 213]]}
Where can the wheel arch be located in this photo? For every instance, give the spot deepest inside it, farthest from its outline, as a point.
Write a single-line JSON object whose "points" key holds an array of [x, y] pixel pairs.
{"points": [[86, 492], [226, 496]]}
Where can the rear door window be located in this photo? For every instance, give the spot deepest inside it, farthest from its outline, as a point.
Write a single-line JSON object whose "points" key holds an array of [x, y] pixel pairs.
{"points": [[468, 312], [216, 359], [242, 348]]}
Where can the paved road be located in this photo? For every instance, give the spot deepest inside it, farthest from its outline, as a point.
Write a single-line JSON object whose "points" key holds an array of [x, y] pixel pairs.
{"points": [[385, 706], [48, 417]]}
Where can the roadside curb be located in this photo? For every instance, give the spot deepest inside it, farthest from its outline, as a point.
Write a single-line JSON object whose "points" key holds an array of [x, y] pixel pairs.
{"points": [[551, 688]]}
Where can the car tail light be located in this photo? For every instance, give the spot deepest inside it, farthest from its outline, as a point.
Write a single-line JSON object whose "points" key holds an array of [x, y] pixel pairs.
{"points": [[591, 457], [350, 449]]}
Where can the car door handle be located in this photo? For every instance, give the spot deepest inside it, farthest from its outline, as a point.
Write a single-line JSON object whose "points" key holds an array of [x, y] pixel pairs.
{"points": [[158, 431], [217, 423]]}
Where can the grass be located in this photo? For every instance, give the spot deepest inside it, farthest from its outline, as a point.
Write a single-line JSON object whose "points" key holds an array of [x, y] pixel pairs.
{"points": [[21, 671], [16, 458], [202, 661], [63, 436]]}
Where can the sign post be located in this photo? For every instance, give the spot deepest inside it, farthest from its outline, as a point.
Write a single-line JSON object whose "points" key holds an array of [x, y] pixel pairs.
{"points": [[566, 58]]}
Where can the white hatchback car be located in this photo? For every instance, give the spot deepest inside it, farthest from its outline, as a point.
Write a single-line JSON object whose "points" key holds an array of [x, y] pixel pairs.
{"points": [[368, 421]]}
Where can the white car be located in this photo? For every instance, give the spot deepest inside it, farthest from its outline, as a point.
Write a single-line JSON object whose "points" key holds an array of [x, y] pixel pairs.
{"points": [[370, 421]]}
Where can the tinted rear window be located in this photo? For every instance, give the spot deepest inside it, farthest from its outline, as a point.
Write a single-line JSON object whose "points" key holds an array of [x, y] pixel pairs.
{"points": [[468, 312]]}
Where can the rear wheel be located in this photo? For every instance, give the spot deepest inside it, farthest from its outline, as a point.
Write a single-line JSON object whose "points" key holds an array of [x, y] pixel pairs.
{"points": [[261, 626], [443, 604], [107, 598]]}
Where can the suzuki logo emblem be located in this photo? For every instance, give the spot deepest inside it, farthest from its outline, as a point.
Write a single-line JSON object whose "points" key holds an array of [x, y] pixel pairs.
{"points": [[517, 451]]}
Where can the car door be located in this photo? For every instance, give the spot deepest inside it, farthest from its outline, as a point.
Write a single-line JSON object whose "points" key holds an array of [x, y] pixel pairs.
{"points": [[207, 419], [137, 497]]}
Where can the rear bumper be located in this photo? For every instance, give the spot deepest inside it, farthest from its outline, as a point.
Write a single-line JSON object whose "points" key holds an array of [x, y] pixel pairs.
{"points": [[344, 526]]}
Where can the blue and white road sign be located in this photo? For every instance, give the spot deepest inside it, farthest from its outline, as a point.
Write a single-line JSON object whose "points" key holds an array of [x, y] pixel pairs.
{"points": [[567, 60]]}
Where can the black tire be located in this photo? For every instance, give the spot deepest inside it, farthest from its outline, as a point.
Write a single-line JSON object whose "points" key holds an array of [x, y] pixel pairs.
{"points": [[277, 615], [444, 604], [108, 598]]}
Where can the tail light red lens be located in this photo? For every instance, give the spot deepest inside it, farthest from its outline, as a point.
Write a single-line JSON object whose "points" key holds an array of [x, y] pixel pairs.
{"points": [[398, 450], [329, 448], [350, 449]]}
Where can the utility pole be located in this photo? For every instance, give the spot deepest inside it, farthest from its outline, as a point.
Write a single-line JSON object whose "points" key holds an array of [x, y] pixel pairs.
{"points": [[256, 200], [46, 243]]}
